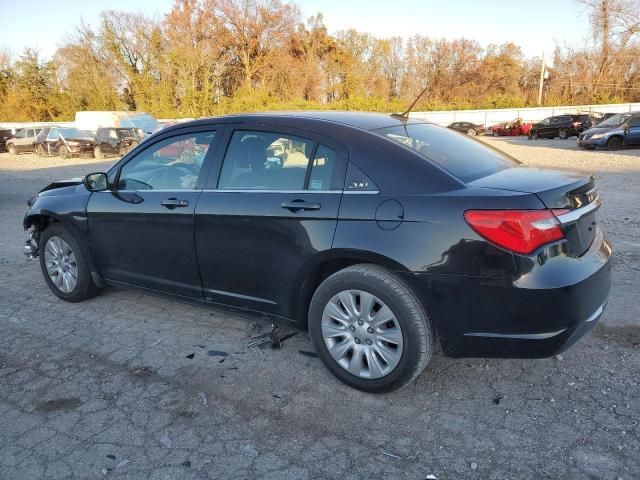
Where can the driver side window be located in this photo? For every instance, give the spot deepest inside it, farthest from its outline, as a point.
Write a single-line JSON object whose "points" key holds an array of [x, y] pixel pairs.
{"points": [[171, 164]]}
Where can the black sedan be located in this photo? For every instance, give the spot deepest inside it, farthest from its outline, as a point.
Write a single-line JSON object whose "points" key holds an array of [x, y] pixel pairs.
{"points": [[468, 128], [380, 234]]}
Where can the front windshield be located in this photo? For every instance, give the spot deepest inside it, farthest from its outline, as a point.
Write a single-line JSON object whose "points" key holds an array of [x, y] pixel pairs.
{"points": [[615, 121], [142, 121], [73, 132], [463, 157]]}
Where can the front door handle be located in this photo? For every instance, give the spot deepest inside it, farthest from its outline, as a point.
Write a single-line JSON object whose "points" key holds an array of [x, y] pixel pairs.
{"points": [[297, 205], [172, 203]]}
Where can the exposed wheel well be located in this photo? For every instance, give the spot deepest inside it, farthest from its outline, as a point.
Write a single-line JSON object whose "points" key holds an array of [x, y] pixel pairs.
{"points": [[40, 222], [311, 283]]}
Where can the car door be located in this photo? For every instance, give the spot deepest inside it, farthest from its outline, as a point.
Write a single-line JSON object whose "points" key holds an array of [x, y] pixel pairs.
{"points": [[542, 128], [269, 214], [19, 140], [30, 140], [141, 231], [632, 131]]}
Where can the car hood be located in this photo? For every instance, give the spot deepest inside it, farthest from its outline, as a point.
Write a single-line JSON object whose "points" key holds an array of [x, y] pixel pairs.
{"points": [[61, 184], [596, 129]]}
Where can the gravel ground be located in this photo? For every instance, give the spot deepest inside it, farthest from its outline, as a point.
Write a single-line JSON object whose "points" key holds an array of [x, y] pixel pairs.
{"points": [[130, 385]]}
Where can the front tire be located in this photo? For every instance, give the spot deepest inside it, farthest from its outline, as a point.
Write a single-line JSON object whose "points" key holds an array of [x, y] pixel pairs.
{"points": [[563, 133], [471, 132], [40, 150], [64, 265], [614, 143], [369, 329], [533, 136], [97, 152]]}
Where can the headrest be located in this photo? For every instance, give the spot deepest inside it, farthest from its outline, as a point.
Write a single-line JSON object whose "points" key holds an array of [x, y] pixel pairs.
{"points": [[252, 153]]}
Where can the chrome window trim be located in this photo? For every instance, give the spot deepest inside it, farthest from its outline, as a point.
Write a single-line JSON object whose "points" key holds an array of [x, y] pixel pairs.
{"points": [[196, 190], [249, 190], [362, 192], [575, 215]]}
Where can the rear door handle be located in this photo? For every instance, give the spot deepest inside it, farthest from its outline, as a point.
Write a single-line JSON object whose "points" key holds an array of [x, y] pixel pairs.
{"points": [[297, 205], [172, 203]]}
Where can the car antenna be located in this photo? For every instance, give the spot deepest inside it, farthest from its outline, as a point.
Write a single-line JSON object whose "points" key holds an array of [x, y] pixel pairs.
{"points": [[405, 115]]}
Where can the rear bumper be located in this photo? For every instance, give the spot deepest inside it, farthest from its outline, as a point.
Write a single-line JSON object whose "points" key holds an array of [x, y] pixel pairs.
{"points": [[538, 314]]}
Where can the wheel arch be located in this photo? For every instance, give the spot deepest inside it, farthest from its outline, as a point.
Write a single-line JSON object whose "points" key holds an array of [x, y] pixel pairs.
{"points": [[39, 219], [326, 265]]}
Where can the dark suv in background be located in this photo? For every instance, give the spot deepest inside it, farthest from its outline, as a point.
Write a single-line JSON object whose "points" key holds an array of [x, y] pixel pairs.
{"points": [[5, 135], [563, 126], [116, 141]]}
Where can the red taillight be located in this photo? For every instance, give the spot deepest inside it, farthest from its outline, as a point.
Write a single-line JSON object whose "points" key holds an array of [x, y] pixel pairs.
{"points": [[521, 231]]}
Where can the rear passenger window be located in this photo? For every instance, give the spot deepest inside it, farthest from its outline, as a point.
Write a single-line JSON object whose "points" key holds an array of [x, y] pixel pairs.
{"points": [[325, 170], [265, 161]]}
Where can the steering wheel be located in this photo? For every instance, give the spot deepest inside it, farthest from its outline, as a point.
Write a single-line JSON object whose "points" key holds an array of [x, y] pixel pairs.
{"points": [[173, 175]]}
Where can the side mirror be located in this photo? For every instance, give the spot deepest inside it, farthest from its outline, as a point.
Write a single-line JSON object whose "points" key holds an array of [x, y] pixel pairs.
{"points": [[96, 182]]}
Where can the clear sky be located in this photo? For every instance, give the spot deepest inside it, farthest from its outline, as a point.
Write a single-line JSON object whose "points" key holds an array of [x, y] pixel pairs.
{"points": [[535, 26]]}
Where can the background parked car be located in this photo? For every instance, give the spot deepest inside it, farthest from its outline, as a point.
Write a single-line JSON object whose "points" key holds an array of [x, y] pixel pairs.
{"points": [[64, 141], [116, 141], [563, 126], [469, 128], [513, 128], [604, 116], [24, 141], [614, 133], [5, 135]]}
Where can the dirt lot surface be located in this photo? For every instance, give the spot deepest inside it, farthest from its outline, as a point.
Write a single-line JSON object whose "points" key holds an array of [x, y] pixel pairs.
{"points": [[130, 385]]}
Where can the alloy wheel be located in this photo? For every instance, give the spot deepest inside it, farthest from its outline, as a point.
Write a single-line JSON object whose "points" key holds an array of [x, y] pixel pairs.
{"points": [[12, 150], [61, 264], [563, 133], [362, 334]]}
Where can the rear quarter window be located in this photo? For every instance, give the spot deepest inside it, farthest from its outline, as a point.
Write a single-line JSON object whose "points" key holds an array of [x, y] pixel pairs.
{"points": [[465, 158]]}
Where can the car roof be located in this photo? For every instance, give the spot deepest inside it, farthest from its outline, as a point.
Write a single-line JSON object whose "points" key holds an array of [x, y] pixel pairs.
{"points": [[361, 120]]}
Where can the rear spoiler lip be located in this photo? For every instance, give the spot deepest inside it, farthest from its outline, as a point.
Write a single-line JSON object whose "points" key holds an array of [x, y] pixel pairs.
{"points": [[575, 215]]}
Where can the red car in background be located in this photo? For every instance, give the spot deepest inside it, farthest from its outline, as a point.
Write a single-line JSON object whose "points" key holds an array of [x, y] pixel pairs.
{"points": [[513, 128]]}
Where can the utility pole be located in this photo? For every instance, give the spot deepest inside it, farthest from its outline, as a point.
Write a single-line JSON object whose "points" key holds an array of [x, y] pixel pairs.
{"points": [[541, 81]]}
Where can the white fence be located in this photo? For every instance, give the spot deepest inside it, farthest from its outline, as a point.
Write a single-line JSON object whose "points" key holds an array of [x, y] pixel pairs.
{"points": [[529, 114]]}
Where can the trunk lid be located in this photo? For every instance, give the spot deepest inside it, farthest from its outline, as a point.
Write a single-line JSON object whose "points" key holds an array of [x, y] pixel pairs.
{"points": [[556, 189]]}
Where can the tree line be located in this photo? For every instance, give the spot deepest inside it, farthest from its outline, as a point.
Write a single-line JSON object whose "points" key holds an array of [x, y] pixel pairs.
{"points": [[210, 57]]}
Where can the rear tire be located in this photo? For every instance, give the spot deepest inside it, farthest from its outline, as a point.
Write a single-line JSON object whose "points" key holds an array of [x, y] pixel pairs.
{"points": [[97, 152], [614, 143], [410, 325], [12, 149], [49, 254]]}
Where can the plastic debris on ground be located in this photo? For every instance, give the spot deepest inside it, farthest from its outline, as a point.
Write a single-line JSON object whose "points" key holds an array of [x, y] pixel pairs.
{"points": [[166, 441]]}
